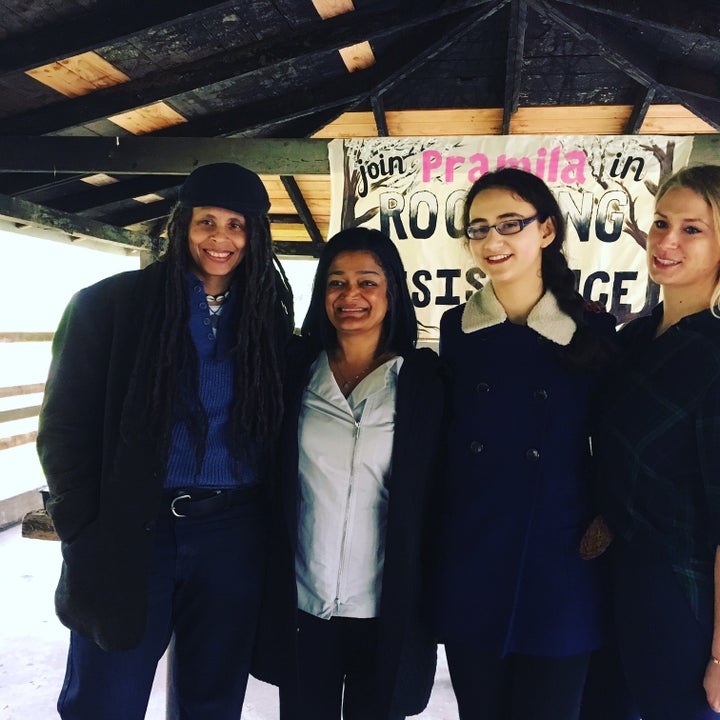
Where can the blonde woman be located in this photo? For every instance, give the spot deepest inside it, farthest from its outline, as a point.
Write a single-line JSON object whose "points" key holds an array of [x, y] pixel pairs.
{"points": [[659, 462]]}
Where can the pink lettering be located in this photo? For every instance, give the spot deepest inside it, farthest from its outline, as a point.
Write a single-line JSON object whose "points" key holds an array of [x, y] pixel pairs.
{"points": [[431, 160], [450, 164], [574, 172], [479, 169]]}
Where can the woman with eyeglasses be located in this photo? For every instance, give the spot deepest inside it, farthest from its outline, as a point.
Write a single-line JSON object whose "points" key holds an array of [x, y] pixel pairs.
{"points": [[518, 609]]}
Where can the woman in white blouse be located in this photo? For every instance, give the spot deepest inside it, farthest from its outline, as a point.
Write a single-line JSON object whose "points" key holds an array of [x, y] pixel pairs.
{"points": [[359, 460]]}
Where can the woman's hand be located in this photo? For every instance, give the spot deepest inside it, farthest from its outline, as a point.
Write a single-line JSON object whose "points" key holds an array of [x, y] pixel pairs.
{"points": [[711, 683], [596, 539]]}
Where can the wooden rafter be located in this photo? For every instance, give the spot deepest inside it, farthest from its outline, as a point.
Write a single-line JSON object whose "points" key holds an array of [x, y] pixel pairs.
{"points": [[116, 192], [265, 116], [708, 110], [109, 22], [614, 36], [464, 26], [514, 63], [134, 215], [159, 155], [242, 62], [673, 17], [639, 112], [73, 227], [378, 109], [622, 54], [303, 211]]}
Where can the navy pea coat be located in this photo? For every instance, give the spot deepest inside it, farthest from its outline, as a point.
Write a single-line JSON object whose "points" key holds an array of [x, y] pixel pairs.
{"points": [[517, 493]]}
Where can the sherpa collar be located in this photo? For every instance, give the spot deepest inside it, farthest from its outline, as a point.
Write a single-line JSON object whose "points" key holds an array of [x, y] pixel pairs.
{"points": [[483, 310]]}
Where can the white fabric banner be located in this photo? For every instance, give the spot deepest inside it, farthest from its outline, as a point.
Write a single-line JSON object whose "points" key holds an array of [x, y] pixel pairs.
{"points": [[413, 190]]}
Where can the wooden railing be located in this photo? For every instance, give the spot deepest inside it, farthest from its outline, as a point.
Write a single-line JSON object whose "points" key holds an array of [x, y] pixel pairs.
{"points": [[20, 413], [27, 405]]}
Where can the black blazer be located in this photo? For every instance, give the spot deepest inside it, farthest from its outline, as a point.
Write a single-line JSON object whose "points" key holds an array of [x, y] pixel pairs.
{"points": [[406, 649]]}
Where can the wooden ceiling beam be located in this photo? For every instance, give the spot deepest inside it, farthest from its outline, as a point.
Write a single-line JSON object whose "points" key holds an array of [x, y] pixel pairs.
{"points": [[114, 192], [686, 79], [620, 53], [707, 110], [284, 247], [296, 196], [242, 62], [448, 35], [673, 17], [75, 227], [105, 25], [158, 211], [639, 112], [614, 35], [618, 57], [514, 62], [378, 109], [20, 183], [159, 155], [264, 116], [298, 109], [134, 214], [27, 183]]}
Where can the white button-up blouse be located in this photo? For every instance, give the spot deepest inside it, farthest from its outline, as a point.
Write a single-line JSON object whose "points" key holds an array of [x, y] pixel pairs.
{"points": [[345, 453]]}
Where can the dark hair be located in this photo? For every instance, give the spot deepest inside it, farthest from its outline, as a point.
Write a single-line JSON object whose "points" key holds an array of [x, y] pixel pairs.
{"points": [[399, 332], [585, 349], [264, 320]]}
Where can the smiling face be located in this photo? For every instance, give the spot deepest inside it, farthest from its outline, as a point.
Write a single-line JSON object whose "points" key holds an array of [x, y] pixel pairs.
{"points": [[356, 295], [508, 258], [217, 240], [683, 252]]}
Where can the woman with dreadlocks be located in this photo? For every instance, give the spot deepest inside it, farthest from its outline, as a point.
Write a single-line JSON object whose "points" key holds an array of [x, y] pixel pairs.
{"points": [[156, 433]]}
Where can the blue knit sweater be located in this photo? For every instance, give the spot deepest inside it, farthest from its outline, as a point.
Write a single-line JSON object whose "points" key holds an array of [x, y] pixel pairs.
{"points": [[216, 393]]}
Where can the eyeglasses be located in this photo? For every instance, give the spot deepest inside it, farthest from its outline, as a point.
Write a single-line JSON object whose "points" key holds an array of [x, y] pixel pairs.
{"points": [[506, 227]]}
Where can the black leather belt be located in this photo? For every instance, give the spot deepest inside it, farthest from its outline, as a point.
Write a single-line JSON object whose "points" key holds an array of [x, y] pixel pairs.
{"points": [[201, 502]]}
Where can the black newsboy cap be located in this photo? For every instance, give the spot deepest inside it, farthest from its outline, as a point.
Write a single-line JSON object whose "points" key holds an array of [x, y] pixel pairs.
{"points": [[225, 185]]}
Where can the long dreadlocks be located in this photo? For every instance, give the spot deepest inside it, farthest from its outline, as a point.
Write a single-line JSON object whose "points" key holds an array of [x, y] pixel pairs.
{"points": [[264, 321]]}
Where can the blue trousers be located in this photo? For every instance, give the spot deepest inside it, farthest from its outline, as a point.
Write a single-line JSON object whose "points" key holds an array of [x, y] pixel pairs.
{"points": [[205, 591], [516, 687], [664, 647]]}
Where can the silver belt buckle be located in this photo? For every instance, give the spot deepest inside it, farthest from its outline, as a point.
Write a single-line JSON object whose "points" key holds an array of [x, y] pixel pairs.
{"points": [[172, 505]]}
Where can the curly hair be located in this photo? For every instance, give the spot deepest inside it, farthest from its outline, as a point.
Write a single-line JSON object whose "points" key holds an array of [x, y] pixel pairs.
{"points": [[264, 321], [585, 350], [399, 332]]}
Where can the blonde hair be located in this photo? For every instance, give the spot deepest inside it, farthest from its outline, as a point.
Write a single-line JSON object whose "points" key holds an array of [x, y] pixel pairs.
{"points": [[705, 181]]}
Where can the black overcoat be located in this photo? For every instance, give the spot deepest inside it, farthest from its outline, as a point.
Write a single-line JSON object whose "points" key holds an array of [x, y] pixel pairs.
{"points": [[406, 654], [102, 466]]}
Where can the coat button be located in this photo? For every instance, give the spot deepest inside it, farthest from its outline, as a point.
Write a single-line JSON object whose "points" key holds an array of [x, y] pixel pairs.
{"points": [[482, 388], [476, 447], [540, 394], [533, 454], [206, 321], [203, 306]]}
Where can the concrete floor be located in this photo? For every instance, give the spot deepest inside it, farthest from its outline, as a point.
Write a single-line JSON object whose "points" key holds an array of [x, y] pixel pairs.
{"points": [[33, 644]]}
